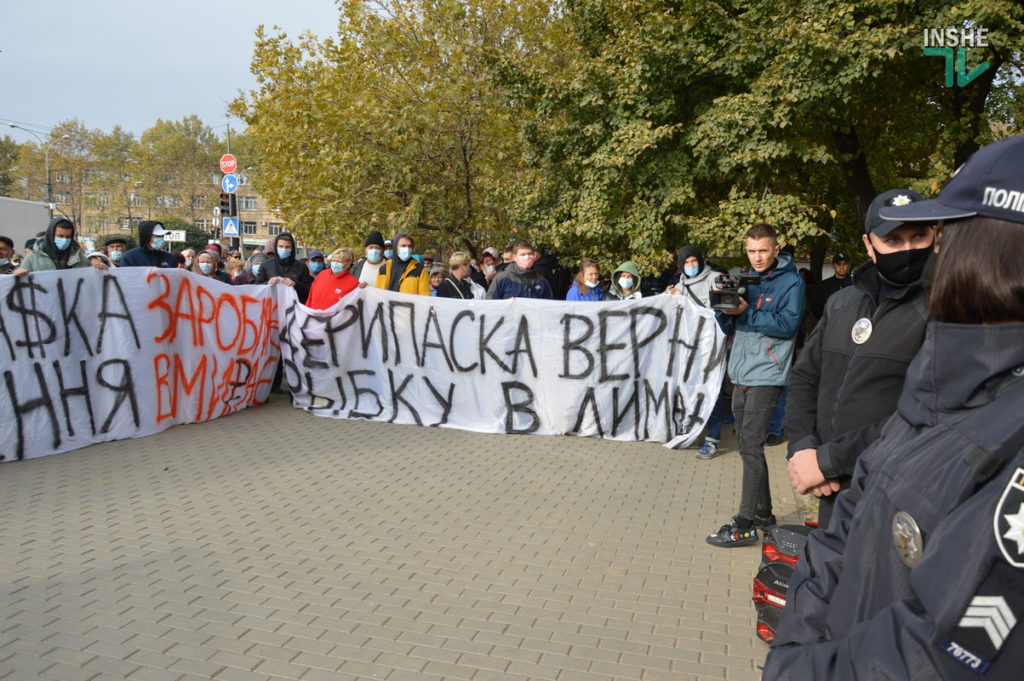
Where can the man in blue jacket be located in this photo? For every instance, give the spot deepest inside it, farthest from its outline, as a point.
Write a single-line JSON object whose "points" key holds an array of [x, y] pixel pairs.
{"points": [[764, 330], [150, 251], [520, 279]]}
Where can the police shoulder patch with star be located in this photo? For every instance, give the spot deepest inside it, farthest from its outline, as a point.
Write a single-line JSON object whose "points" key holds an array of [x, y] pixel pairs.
{"points": [[998, 604]]}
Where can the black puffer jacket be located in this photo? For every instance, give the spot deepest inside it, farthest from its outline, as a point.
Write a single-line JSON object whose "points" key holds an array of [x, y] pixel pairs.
{"points": [[920, 574], [840, 391], [289, 268], [453, 288]]}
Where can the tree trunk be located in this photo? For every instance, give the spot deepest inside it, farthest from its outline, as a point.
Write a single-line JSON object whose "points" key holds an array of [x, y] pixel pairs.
{"points": [[854, 164], [971, 101]]}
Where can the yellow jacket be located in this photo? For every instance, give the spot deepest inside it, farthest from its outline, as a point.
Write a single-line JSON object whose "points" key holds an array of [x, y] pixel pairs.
{"points": [[415, 278]]}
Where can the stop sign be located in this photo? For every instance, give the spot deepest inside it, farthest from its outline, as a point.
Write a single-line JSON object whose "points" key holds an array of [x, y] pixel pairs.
{"points": [[228, 163]]}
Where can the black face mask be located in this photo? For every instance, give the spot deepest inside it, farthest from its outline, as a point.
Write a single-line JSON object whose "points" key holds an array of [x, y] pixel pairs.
{"points": [[902, 267]]}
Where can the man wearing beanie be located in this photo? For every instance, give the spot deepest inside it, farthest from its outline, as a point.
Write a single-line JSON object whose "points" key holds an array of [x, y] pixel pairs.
{"points": [[368, 267], [696, 281], [847, 381]]}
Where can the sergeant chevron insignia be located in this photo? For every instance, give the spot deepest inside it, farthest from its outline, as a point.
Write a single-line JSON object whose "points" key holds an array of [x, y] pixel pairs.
{"points": [[989, 619]]}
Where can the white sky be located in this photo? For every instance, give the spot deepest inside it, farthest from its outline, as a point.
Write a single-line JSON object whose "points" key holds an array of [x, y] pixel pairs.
{"points": [[110, 62]]}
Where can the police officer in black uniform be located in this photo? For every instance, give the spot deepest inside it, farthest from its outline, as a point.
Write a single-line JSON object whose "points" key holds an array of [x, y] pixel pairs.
{"points": [[846, 382], [920, 574]]}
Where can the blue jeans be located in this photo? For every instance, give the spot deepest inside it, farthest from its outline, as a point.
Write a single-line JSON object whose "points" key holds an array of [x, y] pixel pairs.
{"points": [[780, 415], [714, 425]]}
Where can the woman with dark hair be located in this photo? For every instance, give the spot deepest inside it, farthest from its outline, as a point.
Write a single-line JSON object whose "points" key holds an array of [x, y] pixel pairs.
{"points": [[920, 573], [587, 284]]}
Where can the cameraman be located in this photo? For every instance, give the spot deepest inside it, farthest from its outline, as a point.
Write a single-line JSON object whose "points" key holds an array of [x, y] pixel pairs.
{"points": [[848, 379], [764, 326]]}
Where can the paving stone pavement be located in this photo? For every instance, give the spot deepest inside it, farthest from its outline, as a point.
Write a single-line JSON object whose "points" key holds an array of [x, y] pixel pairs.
{"points": [[272, 544]]}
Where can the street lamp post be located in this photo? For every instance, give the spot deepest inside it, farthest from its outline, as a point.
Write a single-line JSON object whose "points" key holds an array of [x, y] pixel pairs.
{"points": [[46, 160]]}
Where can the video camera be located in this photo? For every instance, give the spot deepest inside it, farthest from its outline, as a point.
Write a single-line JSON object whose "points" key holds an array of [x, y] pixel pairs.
{"points": [[731, 288]]}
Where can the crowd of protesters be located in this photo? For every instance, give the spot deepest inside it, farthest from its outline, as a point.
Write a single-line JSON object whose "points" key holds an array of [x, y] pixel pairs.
{"points": [[320, 280], [907, 393]]}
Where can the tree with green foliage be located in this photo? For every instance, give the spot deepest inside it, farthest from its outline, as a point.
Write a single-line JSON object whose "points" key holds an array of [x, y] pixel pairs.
{"points": [[8, 161], [664, 124], [114, 176], [394, 124], [177, 162]]}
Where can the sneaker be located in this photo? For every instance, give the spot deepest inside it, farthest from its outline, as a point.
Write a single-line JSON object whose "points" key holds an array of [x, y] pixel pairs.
{"points": [[709, 450], [774, 439], [729, 536]]}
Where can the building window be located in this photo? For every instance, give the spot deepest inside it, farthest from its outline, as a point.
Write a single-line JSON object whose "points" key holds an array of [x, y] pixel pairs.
{"points": [[247, 203], [99, 199], [61, 197], [129, 224], [198, 201], [165, 201], [275, 228], [248, 228], [167, 178], [203, 224], [62, 177], [215, 178], [134, 200], [243, 178]]}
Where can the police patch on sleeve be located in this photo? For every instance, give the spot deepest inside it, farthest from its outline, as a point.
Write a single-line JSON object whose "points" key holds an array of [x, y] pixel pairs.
{"points": [[1008, 521], [989, 620]]}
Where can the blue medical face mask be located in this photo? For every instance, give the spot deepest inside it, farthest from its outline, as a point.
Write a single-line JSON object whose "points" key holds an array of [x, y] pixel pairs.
{"points": [[388, 253], [256, 268], [284, 253], [691, 271], [206, 267], [115, 255], [338, 267], [157, 243], [592, 284], [4, 261], [404, 253], [316, 267], [625, 283], [373, 255], [61, 243]]}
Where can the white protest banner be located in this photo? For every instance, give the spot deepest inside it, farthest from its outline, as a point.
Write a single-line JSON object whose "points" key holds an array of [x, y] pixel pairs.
{"points": [[646, 369], [90, 356]]}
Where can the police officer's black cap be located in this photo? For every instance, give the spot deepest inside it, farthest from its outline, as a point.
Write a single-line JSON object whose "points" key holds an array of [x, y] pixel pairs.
{"points": [[874, 222]]}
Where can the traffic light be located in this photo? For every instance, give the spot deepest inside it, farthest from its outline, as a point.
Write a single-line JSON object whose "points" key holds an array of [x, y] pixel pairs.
{"points": [[228, 205]]}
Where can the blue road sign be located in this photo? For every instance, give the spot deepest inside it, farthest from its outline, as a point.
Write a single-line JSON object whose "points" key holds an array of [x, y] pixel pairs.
{"points": [[229, 226], [229, 183]]}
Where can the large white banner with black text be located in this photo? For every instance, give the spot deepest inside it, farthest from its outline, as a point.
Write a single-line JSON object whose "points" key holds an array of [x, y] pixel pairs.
{"points": [[90, 356], [646, 369]]}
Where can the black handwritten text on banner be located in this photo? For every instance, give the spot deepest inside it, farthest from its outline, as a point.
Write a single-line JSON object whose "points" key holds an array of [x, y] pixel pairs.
{"points": [[90, 356], [647, 369]]}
